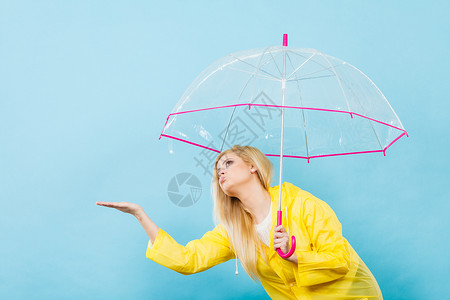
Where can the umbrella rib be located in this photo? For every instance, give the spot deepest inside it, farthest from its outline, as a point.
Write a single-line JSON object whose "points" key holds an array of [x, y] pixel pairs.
{"points": [[254, 66], [245, 86], [316, 77], [299, 66], [220, 68], [254, 76], [260, 75], [340, 83], [369, 120], [357, 99], [303, 111], [226, 132], [370, 80], [325, 69], [274, 61], [313, 61]]}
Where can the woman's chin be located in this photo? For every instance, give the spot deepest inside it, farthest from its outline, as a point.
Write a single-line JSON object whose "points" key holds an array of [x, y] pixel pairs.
{"points": [[226, 189]]}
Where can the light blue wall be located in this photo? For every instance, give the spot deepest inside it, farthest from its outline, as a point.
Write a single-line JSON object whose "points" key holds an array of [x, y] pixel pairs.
{"points": [[85, 87]]}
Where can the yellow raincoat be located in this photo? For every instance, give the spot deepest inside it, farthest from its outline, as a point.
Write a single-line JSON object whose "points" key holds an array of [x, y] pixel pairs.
{"points": [[328, 267]]}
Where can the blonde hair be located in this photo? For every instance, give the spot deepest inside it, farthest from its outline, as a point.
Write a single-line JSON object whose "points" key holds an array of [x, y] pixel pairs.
{"points": [[237, 220]]}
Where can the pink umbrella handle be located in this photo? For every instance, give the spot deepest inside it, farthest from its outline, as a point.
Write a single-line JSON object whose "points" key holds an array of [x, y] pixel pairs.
{"points": [[293, 243]]}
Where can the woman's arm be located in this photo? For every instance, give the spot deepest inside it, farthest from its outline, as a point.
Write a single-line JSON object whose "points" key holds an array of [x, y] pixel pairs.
{"points": [[150, 228], [198, 255], [328, 257], [293, 258]]}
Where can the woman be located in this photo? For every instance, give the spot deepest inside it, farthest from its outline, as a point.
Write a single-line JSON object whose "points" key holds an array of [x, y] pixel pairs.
{"points": [[323, 266]]}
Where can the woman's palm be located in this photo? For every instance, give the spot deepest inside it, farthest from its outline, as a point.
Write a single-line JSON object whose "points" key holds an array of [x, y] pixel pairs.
{"points": [[126, 207]]}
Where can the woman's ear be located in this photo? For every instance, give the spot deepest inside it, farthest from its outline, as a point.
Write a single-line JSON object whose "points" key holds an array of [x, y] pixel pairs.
{"points": [[252, 169]]}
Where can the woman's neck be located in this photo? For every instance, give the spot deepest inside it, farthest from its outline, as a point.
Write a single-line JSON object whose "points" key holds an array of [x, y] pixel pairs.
{"points": [[257, 200]]}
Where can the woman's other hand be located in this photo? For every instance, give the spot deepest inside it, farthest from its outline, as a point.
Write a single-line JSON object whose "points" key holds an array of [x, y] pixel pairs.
{"points": [[281, 239], [126, 207]]}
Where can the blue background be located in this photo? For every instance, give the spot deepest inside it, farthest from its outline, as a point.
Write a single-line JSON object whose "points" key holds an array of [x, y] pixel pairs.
{"points": [[85, 88]]}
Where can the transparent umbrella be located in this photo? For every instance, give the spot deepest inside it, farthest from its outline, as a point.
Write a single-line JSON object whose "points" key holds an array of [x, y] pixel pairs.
{"points": [[287, 102]]}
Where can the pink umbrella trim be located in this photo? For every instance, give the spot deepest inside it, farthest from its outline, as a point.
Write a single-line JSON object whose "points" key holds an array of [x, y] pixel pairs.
{"points": [[295, 107], [295, 156], [280, 106]]}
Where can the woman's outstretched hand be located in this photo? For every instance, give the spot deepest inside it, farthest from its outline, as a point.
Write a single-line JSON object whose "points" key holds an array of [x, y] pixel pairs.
{"points": [[281, 241], [126, 207], [136, 210]]}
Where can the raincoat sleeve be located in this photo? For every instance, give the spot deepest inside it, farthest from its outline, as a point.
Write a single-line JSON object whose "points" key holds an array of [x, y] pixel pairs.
{"points": [[328, 257], [197, 256]]}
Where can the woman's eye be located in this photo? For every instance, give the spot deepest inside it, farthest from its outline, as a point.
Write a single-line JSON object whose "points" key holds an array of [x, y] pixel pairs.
{"points": [[228, 163]]}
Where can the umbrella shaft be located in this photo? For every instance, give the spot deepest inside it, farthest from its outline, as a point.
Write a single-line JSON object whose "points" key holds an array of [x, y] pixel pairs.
{"points": [[281, 159], [283, 87]]}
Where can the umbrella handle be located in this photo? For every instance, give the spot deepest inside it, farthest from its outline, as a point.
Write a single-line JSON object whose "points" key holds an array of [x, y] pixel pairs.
{"points": [[293, 242]]}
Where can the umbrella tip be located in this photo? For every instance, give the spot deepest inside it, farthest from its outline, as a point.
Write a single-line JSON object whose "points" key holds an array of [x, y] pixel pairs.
{"points": [[285, 41]]}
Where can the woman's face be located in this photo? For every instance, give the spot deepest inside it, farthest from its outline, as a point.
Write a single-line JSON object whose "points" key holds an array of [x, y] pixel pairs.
{"points": [[233, 173]]}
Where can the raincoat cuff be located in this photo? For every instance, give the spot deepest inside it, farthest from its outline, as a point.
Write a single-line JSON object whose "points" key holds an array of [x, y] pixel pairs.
{"points": [[302, 276], [151, 247], [320, 273]]}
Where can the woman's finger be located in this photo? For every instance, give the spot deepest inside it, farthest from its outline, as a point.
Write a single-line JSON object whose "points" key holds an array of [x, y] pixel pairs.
{"points": [[116, 205], [283, 240], [280, 238], [105, 204], [280, 246], [280, 229], [280, 234], [110, 203]]}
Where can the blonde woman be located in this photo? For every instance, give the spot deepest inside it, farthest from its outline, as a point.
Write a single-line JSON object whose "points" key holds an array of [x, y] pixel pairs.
{"points": [[323, 266]]}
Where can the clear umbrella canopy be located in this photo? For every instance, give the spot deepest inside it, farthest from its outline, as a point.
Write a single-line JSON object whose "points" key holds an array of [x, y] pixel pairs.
{"points": [[330, 107], [288, 103]]}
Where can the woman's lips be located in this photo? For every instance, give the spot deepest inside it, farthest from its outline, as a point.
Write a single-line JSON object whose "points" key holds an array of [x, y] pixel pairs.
{"points": [[222, 179]]}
